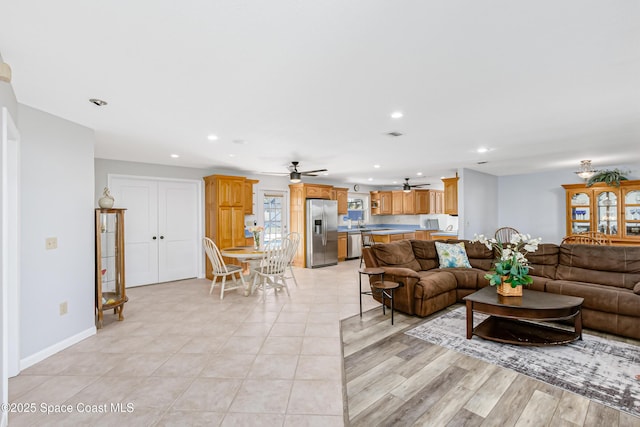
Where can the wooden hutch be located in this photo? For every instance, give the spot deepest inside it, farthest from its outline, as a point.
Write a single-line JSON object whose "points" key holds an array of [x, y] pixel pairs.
{"points": [[614, 211]]}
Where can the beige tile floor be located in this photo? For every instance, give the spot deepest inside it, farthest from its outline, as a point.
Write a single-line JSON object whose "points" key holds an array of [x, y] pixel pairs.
{"points": [[183, 357]]}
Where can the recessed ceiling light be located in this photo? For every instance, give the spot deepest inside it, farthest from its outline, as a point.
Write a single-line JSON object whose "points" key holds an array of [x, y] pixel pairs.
{"points": [[98, 102], [376, 166], [175, 156], [394, 182], [419, 174], [325, 174], [369, 179], [482, 150], [232, 155], [396, 114], [212, 137]]}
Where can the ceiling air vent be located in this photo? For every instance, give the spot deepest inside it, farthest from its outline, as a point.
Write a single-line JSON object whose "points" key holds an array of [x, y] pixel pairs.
{"points": [[394, 133]]}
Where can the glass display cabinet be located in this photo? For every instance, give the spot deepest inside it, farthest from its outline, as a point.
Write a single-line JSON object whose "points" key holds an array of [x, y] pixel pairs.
{"points": [[110, 283], [631, 213], [614, 211]]}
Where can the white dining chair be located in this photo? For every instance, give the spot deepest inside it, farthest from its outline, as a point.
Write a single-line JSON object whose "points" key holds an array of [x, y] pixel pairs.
{"points": [[273, 268], [220, 269], [294, 238]]}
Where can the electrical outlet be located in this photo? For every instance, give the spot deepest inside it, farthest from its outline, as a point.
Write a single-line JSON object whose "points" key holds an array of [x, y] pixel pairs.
{"points": [[51, 243], [63, 308]]}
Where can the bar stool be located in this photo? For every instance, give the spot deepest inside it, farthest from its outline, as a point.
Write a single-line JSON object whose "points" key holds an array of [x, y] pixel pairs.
{"points": [[387, 288], [372, 271]]}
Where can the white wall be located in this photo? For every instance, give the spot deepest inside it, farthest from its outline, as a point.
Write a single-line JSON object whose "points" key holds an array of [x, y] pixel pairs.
{"points": [[57, 180], [478, 204], [535, 203], [8, 101]]}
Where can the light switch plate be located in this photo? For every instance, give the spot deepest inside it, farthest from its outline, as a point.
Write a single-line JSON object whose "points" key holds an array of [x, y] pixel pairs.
{"points": [[63, 308]]}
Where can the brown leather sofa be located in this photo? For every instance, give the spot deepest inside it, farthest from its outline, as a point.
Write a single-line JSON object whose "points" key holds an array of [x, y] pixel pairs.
{"points": [[607, 277]]}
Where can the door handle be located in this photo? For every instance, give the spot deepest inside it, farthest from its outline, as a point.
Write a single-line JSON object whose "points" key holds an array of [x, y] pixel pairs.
{"points": [[154, 237]]}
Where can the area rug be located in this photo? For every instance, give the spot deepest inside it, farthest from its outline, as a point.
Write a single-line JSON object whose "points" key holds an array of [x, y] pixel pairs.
{"points": [[599, 369]]}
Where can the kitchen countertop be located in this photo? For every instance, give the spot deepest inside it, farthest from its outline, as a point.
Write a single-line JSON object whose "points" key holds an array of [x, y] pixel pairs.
{"points": [[389, 232]]}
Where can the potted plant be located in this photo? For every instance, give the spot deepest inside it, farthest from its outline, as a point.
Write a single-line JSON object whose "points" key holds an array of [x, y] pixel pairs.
{"points": [[609, 177], [511, 268]]}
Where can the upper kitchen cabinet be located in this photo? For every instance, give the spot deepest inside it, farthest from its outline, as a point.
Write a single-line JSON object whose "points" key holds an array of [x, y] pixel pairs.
{"points": [[386, 203], [614, 211], [342, 196], [229, 190], [248, 196], [429, 201], [317, 191], [450, 195], [381, 203], [397, 201]]}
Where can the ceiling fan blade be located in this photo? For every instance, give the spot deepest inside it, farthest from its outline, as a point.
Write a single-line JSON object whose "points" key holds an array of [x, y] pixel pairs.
{"points": [[315, 171], [419, 185]]}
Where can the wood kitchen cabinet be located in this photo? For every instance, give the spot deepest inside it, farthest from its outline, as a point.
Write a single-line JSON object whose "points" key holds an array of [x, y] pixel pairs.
{"points": [[225, 207], [248, 196], [450, 195], [342, 246], [428, 202], [388, 238], [409, 202], [397, 201], [341, 195], [381, 203], [386, 203], [374, 196]]}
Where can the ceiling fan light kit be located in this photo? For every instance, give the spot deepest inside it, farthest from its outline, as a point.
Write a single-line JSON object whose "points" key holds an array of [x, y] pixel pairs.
{"points": [[295, 177]]}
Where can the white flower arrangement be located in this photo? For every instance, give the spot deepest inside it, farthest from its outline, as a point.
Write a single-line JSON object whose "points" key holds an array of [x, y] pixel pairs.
{"points": [[512, 263]]}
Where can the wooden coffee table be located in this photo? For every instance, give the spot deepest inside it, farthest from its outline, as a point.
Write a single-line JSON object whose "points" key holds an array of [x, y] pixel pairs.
{"points": [[508, 323]]}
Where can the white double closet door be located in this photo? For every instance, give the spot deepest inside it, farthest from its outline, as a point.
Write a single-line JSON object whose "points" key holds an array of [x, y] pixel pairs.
{"points": [[161, 228]]}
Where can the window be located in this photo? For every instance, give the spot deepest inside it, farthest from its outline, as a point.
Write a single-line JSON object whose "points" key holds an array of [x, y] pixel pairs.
{"points": [[274, 216]]}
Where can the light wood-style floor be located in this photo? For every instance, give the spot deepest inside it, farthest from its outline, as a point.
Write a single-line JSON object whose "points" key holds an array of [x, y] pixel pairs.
{"points": [[393, 379]]}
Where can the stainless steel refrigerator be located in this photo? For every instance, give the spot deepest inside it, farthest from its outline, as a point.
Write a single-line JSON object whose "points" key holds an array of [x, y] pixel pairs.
{"points": [[322, 232]]}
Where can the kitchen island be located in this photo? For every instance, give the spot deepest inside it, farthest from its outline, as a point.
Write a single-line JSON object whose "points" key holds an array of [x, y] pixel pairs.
{"points": [[385, 233], [386, 236]]}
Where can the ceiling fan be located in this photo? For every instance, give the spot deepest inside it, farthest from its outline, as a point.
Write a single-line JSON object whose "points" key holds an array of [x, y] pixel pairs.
{"points": [[406, 187], [295, 175]]}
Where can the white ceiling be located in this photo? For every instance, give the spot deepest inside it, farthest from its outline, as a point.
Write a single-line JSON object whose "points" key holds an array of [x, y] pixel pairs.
{"points": [[543, 84]]}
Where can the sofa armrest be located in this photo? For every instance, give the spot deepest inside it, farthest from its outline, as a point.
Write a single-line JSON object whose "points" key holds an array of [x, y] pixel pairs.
{"points": [[400, 272]]}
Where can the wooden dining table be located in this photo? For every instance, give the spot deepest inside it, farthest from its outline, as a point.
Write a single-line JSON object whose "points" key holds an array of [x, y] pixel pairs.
{"points": [[249, 257]]}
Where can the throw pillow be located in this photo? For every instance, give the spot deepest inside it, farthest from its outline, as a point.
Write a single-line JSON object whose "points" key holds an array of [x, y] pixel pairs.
{"points": [[452, 255], [636, 288]]}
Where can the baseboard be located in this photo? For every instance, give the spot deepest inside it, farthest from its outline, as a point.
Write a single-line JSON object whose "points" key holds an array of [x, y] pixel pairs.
{"points": [[51, 350]]}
